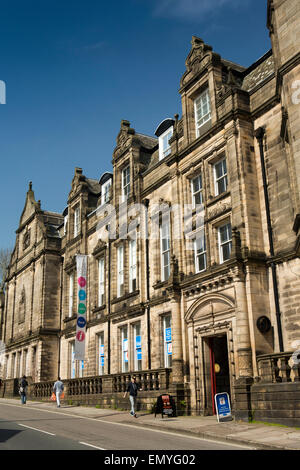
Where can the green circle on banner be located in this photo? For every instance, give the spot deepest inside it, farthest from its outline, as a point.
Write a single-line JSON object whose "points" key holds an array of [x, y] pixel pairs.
{"points": [[81, 309]]}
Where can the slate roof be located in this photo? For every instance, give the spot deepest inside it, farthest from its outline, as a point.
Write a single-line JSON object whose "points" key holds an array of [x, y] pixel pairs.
{"points": [[258, 72], [93, 186], [147, 141]]}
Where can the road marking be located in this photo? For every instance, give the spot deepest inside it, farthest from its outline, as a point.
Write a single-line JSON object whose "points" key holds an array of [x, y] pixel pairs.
{"points": [[173, 433], [90, 445], [35, 429]]}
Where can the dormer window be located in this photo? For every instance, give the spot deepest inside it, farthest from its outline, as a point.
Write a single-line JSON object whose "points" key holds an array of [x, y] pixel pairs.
{"points": [[202, 110], [164, 146], [105, 192], [164, 133], [106, 184]]}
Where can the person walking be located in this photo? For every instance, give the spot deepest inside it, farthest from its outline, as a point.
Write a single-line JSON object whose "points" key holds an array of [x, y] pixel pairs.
{"points": [[58, 388], [23, 389], [132, 389]]}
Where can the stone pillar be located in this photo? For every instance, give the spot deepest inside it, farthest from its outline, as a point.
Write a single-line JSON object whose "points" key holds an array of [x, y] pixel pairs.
{"points": [[243, 343], [242, 394], [177, 353]]}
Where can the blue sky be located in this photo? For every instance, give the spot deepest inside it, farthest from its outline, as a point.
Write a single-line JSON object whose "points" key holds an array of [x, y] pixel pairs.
{"points": [[74, 69]]}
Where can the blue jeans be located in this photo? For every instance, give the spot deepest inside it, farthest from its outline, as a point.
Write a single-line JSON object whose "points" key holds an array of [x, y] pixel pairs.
{"points": [[23, 398], [133, 404]]}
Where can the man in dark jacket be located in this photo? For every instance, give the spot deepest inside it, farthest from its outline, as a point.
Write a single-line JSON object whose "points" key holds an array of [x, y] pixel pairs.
{"points": [[133, 391], [23, 389]]}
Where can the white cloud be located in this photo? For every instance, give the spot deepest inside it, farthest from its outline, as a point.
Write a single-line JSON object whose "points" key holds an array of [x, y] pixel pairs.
{"points": [[193, 8]]}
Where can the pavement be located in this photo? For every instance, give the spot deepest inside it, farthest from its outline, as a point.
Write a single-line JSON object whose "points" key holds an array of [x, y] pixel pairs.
{"points": [[256, 435]]}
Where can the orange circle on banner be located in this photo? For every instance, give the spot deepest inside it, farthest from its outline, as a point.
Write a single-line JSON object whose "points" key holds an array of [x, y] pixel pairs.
{"points": [[80, 336]]}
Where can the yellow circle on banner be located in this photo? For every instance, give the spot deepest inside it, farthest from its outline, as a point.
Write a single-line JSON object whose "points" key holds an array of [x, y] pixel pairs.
{"points": [[217, 368]]}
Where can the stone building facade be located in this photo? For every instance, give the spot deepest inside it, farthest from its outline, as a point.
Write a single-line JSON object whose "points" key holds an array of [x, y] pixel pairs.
{"points": [[207, 303]]}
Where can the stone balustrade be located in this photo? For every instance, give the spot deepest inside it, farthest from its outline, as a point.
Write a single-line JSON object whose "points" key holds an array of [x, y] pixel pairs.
{"points": [[149, 381], [279, 367]]}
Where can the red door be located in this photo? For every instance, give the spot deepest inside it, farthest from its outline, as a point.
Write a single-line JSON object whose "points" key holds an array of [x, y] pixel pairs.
{"points": [[212, 373]]}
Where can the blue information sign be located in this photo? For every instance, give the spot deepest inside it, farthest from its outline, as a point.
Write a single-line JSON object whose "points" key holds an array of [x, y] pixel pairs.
{"points": [[139, 354], [168, 334], [223, 407], [138, 343]]}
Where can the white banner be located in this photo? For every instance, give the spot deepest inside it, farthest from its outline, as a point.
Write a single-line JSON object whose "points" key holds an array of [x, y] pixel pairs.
{"points": [[81, 263]]}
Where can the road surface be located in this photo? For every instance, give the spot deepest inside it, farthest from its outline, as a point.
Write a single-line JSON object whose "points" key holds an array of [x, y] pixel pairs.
{"points": [[27, 428]]}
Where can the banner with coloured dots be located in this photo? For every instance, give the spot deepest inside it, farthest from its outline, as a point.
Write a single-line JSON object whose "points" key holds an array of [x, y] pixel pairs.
{"points": [[81, 264]]}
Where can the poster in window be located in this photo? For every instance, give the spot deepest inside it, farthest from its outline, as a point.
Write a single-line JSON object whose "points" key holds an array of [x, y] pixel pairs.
{"points": [[168, 334], [138, 343], [125, 356], [139, 354]]}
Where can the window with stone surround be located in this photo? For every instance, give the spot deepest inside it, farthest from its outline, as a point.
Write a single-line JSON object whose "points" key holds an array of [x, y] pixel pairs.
{"points": [[26, 239], [71, 294], [165, 247], [197, 190], [101, 282], [132, 266], [126, 182], [167, 339], [137, 346], [22, 306], [124, 349], [200, 252], [101, 353], [220, 177], [225, 242], [120, 267], [202, 110], [76, 221]]}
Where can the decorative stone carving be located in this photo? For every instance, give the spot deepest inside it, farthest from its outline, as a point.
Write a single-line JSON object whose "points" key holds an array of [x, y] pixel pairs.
{"points": [[218, 209], [124, 138]]}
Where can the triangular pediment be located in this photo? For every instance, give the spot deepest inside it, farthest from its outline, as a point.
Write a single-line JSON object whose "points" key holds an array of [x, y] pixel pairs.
{"points": [[30, 208]]}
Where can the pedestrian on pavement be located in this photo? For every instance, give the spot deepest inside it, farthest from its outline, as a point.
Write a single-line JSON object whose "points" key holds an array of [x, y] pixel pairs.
{"points": [[58, 388], [133, 391], [23, 389]]}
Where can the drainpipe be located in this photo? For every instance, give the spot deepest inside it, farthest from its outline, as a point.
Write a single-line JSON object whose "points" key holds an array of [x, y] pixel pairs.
{"points": [[146, 202], [108, 302], [259, 134], [60, 315]]}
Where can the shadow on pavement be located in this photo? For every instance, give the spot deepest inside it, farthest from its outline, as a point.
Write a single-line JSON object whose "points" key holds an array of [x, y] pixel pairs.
{"points": [[6, 434]]}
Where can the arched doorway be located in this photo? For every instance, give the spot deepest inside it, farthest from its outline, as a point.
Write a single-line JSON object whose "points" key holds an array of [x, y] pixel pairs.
{"points": [[210, 322]]}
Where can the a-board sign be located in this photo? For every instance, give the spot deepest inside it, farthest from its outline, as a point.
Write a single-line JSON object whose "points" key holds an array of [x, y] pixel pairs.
{"points": [[167, 407], [223, 407]]}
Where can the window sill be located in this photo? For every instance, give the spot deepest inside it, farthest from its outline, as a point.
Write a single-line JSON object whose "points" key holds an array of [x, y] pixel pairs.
{"points": [[214, 199], [99, 309], [160, 284], [125, 297], [68, 319]]}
